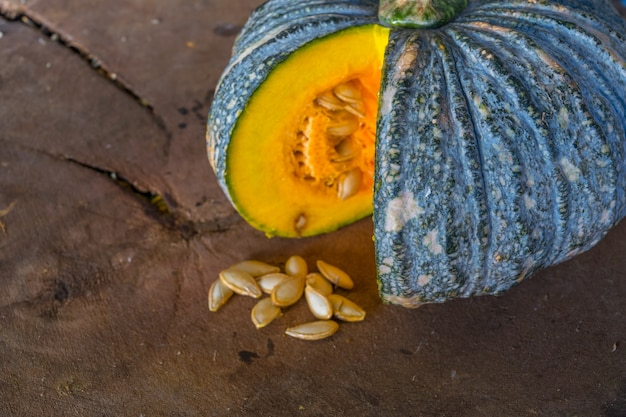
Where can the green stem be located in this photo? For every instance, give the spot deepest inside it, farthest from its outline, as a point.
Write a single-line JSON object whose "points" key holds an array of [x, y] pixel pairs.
{"points": [[418, 13]]}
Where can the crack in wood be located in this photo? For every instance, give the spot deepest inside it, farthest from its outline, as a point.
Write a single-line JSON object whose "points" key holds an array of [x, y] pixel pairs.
{"points": [[157, 201], [19, 14], [162, 207]]}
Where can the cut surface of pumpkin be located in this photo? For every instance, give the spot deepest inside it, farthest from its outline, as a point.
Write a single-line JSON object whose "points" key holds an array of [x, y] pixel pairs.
{"points": [[301, 157]]}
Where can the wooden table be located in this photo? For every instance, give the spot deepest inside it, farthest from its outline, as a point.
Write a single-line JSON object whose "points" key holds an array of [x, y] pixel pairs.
{"points": [[113, 228]]}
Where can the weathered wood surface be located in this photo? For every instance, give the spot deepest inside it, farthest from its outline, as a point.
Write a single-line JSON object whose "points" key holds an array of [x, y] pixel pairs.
{"points": [[103, 306]]}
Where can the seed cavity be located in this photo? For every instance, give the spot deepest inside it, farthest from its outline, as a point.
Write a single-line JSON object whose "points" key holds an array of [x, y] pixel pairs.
{"points": [[330, 140]]}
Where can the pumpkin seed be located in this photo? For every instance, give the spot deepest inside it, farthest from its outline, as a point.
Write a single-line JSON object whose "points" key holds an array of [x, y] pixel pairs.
{"points": [[348, 92], [286, 289], [295, 266], [264, 312], [241, 282], [345, 96], [269, 281], [321, 284], [335, 275], [319, 305], [328, 100], [344, 309], [358, 109], [314, 330], [288, 292], [218, 295], [349, 184], [342, 124], [255, 268], [346, 150], [299, 223]]}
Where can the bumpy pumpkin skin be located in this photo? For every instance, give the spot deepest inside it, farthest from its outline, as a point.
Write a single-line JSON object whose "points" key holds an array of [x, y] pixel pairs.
{"points": [[500, 146], [500, 139]]}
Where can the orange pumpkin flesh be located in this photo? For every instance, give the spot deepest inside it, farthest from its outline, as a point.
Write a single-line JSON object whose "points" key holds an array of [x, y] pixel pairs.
{"points": [[291, 170]]}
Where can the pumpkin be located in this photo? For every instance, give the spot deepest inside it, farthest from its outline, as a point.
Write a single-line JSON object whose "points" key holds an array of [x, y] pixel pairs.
{"points": [[487, 137]]}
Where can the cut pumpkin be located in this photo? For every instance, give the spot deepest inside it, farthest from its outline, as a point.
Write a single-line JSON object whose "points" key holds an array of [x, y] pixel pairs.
{"points": [[497, 148], [301, 156]]}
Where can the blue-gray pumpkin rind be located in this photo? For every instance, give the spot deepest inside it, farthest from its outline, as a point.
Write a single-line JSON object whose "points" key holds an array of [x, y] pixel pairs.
{"points": [[500, 146]]}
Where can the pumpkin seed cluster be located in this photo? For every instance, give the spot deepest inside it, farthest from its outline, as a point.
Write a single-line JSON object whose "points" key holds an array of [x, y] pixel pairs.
{"points": [[285, 288]]}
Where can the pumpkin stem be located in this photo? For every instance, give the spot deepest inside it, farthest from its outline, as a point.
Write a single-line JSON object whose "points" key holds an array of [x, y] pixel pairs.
{"points": [[418, 13]]}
